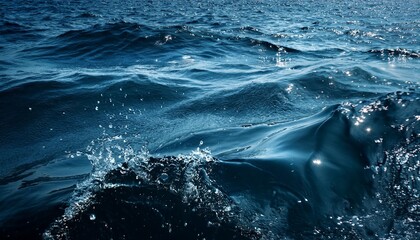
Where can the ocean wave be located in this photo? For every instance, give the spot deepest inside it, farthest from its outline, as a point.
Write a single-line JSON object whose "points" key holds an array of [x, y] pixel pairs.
{"points": [[99, 42], [249, 98], [322, 176], [13, 31], [88, 15], [216, 120], [397, 52], [82, 84], [350, 83], [268, 45], [8, 27], [174, 193]]}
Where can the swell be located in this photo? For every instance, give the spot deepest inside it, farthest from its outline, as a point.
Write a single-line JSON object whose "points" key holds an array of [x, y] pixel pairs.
{"points": [[119, 39], [127, 42], [305, 174], [247, 99], [13, 31], [322, 172], [97, 42], [353, 82], [276, 95], [38, 114], [82, 85], [306, 142]]}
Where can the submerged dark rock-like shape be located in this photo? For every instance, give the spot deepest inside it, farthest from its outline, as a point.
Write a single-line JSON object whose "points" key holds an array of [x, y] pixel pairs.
{"points": [[128, 206]]}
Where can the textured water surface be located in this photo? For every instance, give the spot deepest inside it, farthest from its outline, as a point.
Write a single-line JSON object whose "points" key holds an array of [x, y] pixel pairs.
{"points": [[209, 119]]}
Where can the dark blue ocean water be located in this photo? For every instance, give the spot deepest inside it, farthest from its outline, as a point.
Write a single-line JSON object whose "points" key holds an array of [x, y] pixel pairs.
{"points": [[209, 119]]}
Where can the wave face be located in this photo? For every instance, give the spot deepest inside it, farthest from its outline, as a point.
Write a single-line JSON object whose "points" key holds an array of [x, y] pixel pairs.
{"points": [[209, 120]]}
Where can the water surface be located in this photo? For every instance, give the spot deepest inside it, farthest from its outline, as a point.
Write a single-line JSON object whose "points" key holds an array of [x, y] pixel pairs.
{"points": [[209, 119]]}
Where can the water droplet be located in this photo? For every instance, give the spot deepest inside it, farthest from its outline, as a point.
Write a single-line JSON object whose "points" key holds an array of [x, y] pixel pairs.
{"points": [[164, 177], [289, 88]]}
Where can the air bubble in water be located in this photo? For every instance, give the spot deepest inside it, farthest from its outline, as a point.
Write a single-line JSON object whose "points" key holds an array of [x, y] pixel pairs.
{"points": [[92, 217]]}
